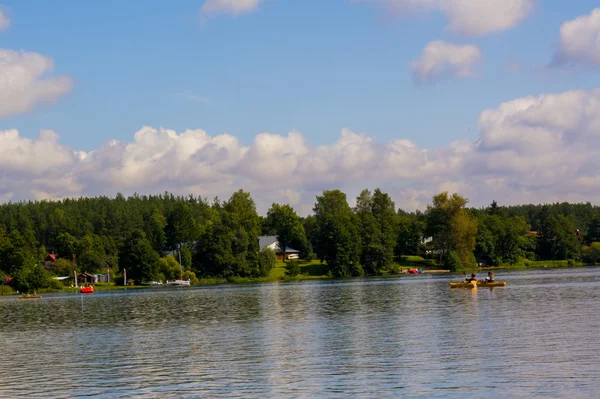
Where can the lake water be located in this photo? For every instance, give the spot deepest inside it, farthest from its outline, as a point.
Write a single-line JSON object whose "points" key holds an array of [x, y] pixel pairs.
{"points": [[409, 336]]}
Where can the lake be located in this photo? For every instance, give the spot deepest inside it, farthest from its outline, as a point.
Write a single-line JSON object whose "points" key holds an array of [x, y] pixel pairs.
{"points": [[409, 336]]}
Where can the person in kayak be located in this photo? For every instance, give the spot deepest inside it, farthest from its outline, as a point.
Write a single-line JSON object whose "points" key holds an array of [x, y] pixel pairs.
{"points": [[489, 278], [471, 279]]}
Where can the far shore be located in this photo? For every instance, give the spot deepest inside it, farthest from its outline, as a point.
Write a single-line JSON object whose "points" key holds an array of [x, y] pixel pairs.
{"points": [[312, 270]]}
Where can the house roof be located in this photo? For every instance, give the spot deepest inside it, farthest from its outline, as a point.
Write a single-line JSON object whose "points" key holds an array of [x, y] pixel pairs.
{"points": [[271, 242], [51, 256]]}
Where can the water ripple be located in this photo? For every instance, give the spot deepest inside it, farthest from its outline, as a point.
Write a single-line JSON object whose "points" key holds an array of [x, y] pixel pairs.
{"points": [[364, 338]]}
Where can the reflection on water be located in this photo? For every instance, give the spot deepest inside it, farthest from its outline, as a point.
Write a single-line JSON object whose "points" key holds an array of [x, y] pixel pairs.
{"points": [[381, 337]]}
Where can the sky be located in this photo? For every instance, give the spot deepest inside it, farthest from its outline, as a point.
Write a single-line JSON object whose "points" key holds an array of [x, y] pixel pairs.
{"points": [[495, 99]]}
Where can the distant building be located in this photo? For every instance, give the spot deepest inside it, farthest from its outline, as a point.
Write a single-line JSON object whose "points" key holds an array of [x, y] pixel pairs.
{"points": [[271, 243], [88, 278]]}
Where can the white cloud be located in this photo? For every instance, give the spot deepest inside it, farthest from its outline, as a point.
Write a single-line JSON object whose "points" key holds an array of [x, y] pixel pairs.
{"points": [[467, 17], [234, 7], [4, 21], [23, 84], [533, 149], [580, 41], [441, 59]]}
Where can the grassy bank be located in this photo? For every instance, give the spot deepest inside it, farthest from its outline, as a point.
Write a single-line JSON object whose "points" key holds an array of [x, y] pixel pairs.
{"points": [[314, 269]]}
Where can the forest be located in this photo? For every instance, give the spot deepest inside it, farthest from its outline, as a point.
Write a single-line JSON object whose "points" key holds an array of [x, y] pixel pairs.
{"points": [[158, 237]]}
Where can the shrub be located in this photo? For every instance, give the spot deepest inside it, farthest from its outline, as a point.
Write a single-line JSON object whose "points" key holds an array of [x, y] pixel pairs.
{"points": [[266, 262], [32, 277], [292, 268]]}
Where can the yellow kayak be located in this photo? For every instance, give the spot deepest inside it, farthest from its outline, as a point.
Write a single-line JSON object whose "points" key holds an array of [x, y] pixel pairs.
{"points": [[475, 284]]}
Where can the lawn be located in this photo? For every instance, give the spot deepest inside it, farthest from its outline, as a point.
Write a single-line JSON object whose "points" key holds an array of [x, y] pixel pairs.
{"points": [[310, 269], [409, 261]]}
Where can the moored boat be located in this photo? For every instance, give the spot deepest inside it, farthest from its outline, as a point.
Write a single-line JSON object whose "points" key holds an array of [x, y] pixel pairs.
{"points": [[415, 271], [29, 296], [87, 290], [475, 284], [179, 282]]}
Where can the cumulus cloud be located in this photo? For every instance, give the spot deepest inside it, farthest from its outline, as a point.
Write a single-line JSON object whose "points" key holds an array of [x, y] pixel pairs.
{"points": [[4, 21], [533, 149], [580, 41], [467, 17], [234, 7], [440, 59], [23, 83]]}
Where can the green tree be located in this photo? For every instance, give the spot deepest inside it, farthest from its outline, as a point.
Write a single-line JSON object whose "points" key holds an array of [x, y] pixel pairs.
{"points": [[267, 261], [182, 229], [240, 216], [591, 253], [32, 277], [409, 235], [377, 216], [557, 239], [287, 226], [338, 236], [90, 253], [168, 269], [63, 267], [155, 224], [139, 258], [500, 238], [452, 228], [214, 255], [593, 229], [66, 245]]}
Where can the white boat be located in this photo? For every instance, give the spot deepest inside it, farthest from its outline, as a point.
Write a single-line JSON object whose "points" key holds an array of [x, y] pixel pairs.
{"points": [[179, 282], [152, 283]]}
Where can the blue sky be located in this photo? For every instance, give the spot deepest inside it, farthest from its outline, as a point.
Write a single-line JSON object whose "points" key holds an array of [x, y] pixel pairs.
{"points": [[311, 66]]}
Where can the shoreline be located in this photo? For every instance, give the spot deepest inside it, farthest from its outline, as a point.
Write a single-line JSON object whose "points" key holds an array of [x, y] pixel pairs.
{"points": [[255, 280]]}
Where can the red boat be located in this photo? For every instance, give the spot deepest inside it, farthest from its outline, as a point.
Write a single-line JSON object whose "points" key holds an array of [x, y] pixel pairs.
{"points": [[414, 271], [87, 290]]}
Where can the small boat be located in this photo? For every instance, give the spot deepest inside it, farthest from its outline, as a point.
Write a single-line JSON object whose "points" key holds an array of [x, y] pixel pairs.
{"points": [[87, 290], [152, 283], [179, 282], [475, 284], [415, 271], [29, 296]]}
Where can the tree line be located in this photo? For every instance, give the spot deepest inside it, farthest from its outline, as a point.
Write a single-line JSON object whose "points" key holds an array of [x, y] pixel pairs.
{"points": [[161, 236]]}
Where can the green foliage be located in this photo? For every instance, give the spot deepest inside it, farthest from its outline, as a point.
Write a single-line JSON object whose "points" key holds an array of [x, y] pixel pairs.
{"points": [[591, 253], [220, 240], [66, 245], [501, 239], [409, 232], [452, 228], [154, 227], [91, 255], [283, 221], [556, 237], [452, 262], [63, 267], [378, 233], [292, 268], [190, 275], [186, 257], [32, 277], [139, 258], [338, 238], [168, 269], [267, 260], [181, 226]]}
